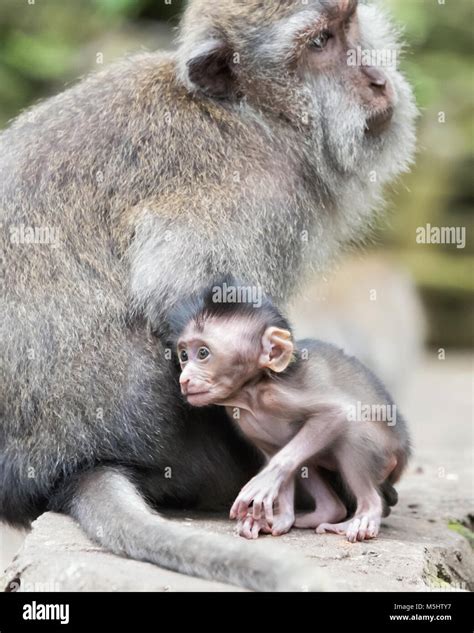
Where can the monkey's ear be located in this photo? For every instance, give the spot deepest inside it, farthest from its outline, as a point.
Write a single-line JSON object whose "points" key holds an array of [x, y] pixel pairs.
{"points": [[277, 349], [210, 69]]}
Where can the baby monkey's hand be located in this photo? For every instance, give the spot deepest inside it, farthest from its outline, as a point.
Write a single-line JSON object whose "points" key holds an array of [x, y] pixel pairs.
{"points": [[258, 496]]}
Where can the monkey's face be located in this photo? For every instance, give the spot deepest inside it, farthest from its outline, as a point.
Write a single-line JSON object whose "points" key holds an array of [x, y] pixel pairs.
{"points": [[360, 108], [328, 67], [218, 356], [324, 52], [216, 359]]}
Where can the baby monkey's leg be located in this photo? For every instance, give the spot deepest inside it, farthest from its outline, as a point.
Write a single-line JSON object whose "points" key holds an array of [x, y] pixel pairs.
{"points": [[329, 508], [318, 432], [365, 523], [284, 518]]}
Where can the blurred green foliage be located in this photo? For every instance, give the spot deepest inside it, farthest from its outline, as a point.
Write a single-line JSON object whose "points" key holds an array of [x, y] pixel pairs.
{"points": [[45, 44], [439, 191]]}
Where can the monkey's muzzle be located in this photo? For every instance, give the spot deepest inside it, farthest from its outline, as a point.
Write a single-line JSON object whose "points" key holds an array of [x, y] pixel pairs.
{"points": [[379, 122]]}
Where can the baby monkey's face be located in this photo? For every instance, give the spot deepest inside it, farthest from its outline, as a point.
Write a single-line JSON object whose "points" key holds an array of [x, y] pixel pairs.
{"points": [[218, 356], [212, 364]]}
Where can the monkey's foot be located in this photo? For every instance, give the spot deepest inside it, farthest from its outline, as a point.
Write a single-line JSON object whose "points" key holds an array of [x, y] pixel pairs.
{"points": [[329, 514], [282, 523], [248, 527], [359, 528]]}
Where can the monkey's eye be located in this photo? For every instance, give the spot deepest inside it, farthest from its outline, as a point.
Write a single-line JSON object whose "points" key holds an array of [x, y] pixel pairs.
{"points": [[203, 353], [319, 42], [183, 356]]}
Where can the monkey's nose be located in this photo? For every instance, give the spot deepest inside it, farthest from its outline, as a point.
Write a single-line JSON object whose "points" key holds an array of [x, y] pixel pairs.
{"points": [[184, 382], [377, 77]]}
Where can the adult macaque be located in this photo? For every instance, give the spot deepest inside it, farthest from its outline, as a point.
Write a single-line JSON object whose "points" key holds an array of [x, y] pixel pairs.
{"points": [[254, 148], [305, 405]]}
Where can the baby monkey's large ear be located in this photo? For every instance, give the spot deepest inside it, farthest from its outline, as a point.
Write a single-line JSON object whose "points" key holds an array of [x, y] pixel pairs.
{"points": [[277, 349]]}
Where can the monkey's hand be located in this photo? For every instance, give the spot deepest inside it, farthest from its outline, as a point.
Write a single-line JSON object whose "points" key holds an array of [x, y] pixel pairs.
{"points": [[260, 492], [248, 527]]}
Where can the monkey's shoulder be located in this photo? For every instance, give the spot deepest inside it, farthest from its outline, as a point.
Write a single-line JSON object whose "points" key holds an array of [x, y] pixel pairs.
{"points": [[333, 363], [317, 345], [323, 353]]}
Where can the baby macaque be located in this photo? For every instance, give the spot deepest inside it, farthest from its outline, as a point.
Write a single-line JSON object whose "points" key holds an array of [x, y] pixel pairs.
{"points": [[307, 406]]}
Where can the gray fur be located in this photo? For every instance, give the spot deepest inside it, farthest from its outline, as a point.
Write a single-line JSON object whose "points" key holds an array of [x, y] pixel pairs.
{"points": [[109, 505], [153, 188]]}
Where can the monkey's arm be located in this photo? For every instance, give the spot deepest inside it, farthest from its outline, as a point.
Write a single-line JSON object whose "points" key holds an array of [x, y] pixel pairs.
{"points": [[318, 432], [111, 510]]}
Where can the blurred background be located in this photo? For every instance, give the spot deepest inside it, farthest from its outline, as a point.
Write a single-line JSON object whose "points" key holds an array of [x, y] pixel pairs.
{"points": [[424, 293]]}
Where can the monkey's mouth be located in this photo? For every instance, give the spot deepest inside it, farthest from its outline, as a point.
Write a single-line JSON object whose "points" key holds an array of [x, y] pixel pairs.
{"points": [[198, 398], [379, 122]]}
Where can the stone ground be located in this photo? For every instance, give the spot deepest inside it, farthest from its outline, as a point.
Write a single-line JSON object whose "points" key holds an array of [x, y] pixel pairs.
{"points": [[426, 543]]}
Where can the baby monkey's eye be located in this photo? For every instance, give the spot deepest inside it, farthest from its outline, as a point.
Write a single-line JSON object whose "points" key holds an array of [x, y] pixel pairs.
{"points": [[319, 42], [183, 356], [203, 353]]}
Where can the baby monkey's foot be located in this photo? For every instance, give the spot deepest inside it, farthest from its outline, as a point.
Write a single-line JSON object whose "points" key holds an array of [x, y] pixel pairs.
{"points": [[248, 527], [359, 528], [282, 523], [330, 511], [321, 516]]}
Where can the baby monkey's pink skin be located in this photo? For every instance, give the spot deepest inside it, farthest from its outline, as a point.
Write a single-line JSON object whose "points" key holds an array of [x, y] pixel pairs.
{"points": [[295, 405]]}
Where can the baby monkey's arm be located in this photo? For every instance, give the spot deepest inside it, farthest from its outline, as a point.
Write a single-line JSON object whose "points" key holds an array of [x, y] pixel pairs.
{"points": [[316, 434]]}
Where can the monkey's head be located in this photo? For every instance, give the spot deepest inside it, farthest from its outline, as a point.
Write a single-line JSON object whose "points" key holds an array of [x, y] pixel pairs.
{"points": [[326, 67], [226, 336]]}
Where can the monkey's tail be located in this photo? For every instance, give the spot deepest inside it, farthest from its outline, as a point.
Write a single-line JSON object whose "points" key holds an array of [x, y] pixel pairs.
{"points": [[388, 492], [111, 510], [389, 497]]}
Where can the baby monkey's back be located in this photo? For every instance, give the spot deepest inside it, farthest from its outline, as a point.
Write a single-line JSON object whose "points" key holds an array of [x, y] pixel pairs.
{"points": [[373, 417]]}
